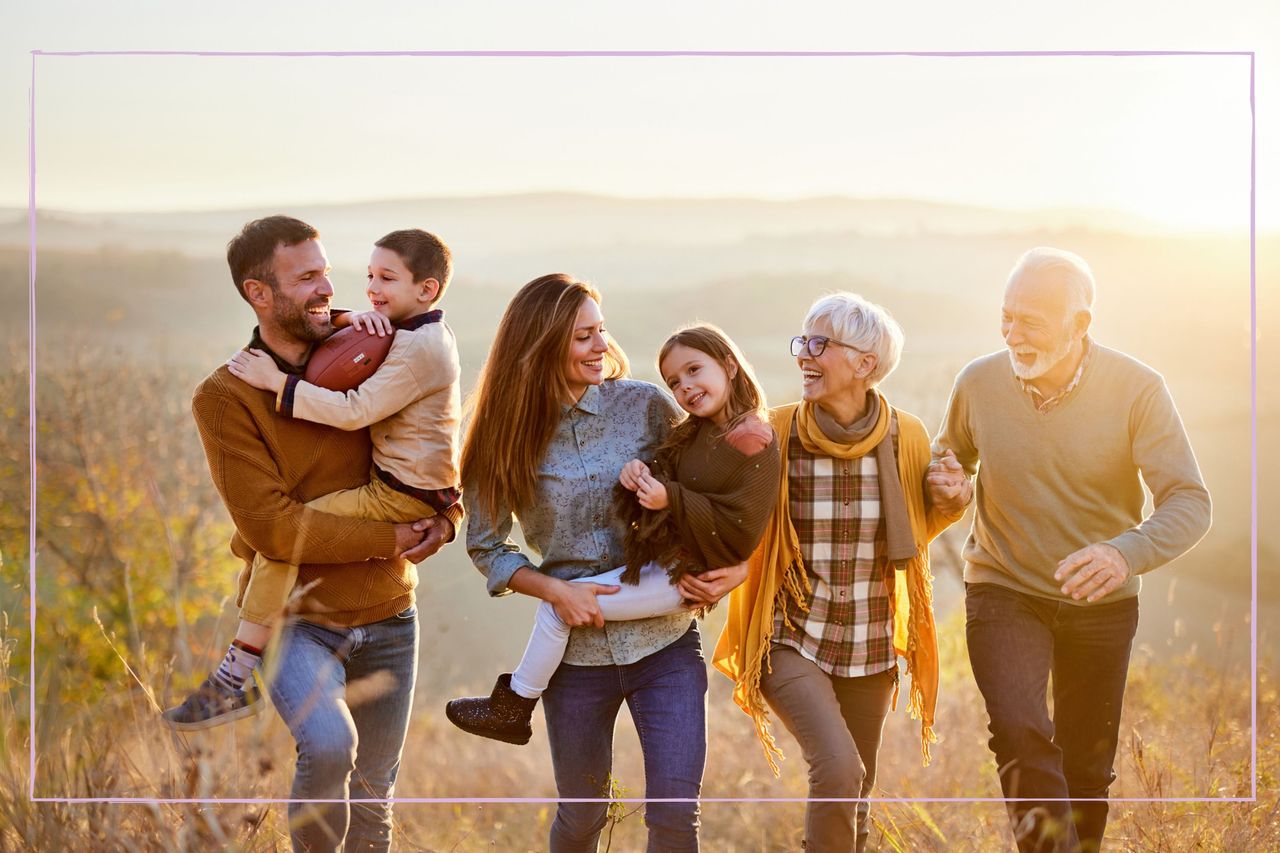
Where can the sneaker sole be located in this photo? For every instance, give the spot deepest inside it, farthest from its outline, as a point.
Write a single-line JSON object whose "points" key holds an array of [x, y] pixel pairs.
{"points": [[489, 733], [220, 720]]}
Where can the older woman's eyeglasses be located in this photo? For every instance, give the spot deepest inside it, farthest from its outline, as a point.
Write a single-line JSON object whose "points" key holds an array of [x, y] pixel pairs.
{"points": [[816, 345]]}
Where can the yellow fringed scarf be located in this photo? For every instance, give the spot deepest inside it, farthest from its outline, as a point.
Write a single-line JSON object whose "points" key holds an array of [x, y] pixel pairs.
{"points": [[776, 569]]}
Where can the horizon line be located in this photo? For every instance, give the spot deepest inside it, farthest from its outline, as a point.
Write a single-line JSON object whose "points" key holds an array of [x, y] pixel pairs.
{"points": [[1130, 221]]}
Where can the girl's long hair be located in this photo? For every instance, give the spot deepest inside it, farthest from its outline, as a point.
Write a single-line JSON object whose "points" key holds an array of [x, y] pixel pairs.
{"points": [[746, 397], [516, 404]]}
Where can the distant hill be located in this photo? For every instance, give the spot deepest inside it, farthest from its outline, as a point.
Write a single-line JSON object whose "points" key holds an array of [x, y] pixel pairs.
{"points": [[632, 242]]}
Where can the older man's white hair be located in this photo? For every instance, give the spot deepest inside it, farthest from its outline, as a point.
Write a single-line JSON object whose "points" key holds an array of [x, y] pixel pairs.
{"points": [[1075, 274], [863, 325]]}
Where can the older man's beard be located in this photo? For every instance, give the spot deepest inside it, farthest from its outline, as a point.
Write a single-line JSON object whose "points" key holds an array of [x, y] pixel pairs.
{"points": [[294, 319], [1045, 361]]}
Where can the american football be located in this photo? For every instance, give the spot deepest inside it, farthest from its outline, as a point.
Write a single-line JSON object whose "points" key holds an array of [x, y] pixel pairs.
{"points": [[346, 358]]}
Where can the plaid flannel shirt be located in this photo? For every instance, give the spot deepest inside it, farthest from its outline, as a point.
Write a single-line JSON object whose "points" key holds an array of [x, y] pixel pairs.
{"points": [[835, 509]]}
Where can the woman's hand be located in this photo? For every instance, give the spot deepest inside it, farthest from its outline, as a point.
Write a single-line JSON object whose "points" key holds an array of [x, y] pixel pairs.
{"points": [[576, 604], [709, 587], [372, 322], [651, 493], [631, 474], [256, 367], [946, 485]]}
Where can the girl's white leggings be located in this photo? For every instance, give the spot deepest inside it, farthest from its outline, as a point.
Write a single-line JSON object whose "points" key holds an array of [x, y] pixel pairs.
{"points": [[653, 596]]}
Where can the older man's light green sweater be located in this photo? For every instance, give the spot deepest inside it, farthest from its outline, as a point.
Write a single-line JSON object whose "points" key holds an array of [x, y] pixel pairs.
{"points": [[1050, 484]]}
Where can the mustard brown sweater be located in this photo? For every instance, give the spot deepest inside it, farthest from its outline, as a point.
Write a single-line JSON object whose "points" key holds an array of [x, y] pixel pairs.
{"points": [[266, 466]]}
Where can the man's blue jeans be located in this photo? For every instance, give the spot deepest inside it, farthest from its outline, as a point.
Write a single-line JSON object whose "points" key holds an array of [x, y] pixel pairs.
{"points": [[1015, 642], [345, 696], [666, 693]]}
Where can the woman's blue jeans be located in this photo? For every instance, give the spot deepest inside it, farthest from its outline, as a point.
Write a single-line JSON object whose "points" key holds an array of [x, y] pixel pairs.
{"points": [[345, 696], [666, 693]]}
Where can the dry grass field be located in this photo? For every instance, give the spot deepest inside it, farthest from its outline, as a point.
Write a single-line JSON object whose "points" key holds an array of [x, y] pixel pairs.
{"points": [[132, 609]]}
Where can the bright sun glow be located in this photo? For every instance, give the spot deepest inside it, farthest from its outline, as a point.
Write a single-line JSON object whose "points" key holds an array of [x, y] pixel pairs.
{"points": [[1160, 138]]}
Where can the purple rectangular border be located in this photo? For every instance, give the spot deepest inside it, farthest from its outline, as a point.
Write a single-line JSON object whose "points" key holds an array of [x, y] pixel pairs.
{"points": [[1253, 374]]}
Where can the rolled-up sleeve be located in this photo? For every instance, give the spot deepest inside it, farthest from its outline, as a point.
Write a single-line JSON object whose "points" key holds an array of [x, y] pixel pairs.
{"points": [[490, 546]]}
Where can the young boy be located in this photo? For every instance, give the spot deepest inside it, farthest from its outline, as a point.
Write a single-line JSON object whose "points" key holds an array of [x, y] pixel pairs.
{"points": [[411, 405]]}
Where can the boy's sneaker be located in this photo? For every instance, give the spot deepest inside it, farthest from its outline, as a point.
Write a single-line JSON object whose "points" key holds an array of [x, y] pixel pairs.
{"points": [[213, 705]]}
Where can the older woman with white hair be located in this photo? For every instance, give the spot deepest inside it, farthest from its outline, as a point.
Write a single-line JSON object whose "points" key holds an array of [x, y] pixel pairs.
{"points": [[840, 587]]}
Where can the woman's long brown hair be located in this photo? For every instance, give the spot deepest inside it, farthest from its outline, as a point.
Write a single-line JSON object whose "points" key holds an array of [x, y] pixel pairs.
{"points": [[746, 397], [516, 404]]}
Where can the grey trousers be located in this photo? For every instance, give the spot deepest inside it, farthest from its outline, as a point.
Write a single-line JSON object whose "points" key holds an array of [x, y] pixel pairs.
{"points": [[838, 723]]}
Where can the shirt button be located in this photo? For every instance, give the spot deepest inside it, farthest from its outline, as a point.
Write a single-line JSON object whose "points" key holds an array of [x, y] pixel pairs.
{"points": [[593, 476]]}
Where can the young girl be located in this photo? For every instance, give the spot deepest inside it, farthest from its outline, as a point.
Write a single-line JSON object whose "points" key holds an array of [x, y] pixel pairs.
{"points": [[701, 505]]}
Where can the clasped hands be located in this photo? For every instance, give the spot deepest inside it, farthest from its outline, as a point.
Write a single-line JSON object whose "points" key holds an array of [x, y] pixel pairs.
{"points": [[423, 538], [650, 491], [949, 488]]}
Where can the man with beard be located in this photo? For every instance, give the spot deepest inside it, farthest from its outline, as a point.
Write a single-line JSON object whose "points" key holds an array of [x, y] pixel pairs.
{"points": [[344, 672], [1062, 433]]}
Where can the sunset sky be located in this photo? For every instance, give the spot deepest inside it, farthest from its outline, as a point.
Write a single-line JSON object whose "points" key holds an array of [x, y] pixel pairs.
{"points": [[1165, 139]]}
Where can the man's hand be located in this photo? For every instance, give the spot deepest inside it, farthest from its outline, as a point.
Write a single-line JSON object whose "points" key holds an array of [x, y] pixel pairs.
{"points": [[256, 367], [651, 493], [949, 489], [1094, 571], [372, 322], [576, 604], [709, 587], [434, 532], [406, 538], [631, 474]]}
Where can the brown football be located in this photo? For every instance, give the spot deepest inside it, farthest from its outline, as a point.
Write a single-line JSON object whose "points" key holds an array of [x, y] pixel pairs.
{"points": [[346, 358]]}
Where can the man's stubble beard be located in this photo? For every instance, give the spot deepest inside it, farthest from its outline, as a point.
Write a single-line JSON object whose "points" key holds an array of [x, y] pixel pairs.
{"points": [[294, 320]]}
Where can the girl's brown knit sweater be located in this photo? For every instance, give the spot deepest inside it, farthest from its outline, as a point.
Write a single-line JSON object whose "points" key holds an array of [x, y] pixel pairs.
{"points": [[720, 493]]}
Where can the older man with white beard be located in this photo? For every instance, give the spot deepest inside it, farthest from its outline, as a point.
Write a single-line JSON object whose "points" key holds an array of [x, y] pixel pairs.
{"points": [[1062, 432]]}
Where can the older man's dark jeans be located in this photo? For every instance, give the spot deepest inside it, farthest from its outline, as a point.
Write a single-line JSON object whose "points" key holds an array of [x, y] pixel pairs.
{"points": [[1015, 642]]}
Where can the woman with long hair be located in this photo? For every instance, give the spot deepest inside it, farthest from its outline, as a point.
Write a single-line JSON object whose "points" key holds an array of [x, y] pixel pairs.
{"points": [[554, 420]]}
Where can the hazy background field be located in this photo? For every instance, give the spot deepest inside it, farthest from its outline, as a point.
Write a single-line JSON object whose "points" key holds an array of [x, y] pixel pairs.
{"points": [[133, 571]]}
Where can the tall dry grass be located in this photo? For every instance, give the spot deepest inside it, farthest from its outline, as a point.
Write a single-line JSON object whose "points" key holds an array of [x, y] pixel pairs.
{"points": [[131, 599]]}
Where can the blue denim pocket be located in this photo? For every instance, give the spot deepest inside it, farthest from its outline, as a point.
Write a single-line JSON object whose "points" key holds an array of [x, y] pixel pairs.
{"points": [[408, 614]]}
